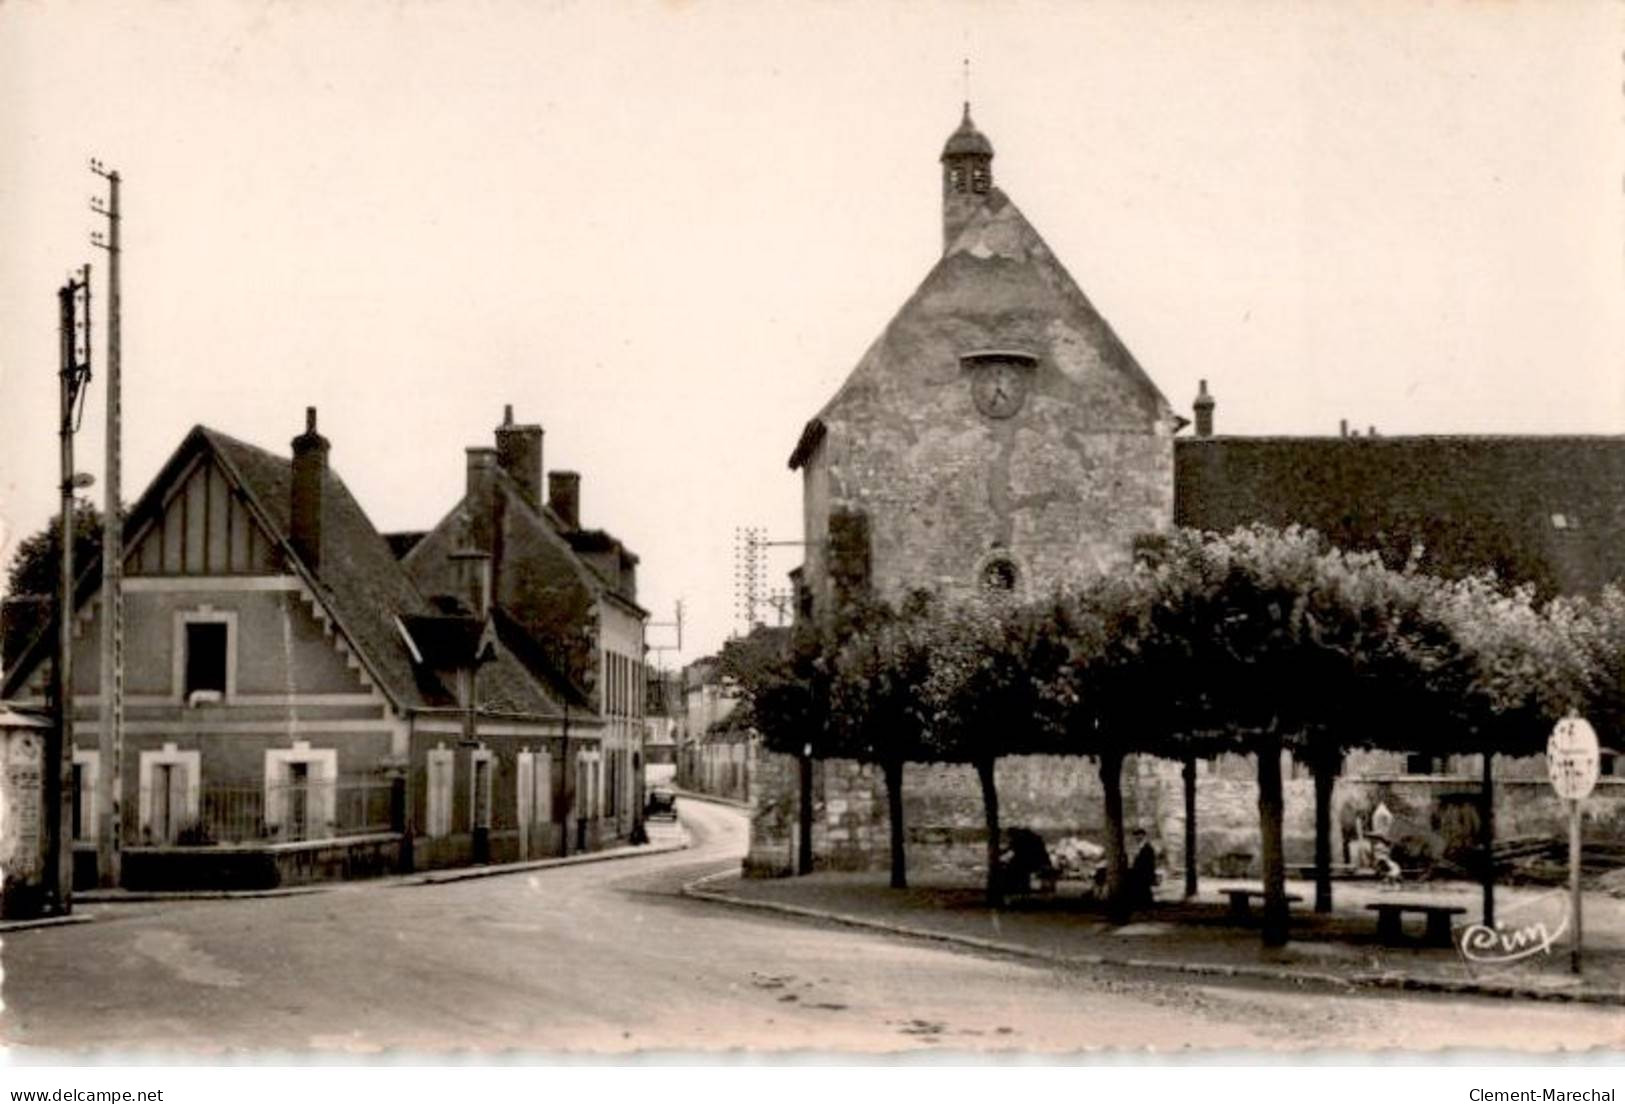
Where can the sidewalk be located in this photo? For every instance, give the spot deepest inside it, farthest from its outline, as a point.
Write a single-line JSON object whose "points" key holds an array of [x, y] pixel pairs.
{"points": [[1338, 950]]}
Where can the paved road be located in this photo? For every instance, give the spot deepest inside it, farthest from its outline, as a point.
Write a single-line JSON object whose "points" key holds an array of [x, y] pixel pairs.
{"points": [[606, 957]]}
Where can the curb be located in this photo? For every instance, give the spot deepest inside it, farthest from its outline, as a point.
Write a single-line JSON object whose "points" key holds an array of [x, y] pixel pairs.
{"points": [[463, 874], [9, 926], [696, 890], [131, 897]]}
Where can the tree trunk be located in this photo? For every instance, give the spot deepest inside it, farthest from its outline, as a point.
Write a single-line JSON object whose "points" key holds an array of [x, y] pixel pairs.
{"points": [[1190, 826], [804, 851], [894, 806], [1325, 766], [1111, 785], [1272, 856], [990, 805], [1486, 827]]}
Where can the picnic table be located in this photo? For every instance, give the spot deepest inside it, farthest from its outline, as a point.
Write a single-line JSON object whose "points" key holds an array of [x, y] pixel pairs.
{"points": [[1241, 901], [1391, 931]]}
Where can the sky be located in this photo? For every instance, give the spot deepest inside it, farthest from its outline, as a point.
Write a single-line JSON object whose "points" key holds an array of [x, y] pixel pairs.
{"points": [[667, 231]]}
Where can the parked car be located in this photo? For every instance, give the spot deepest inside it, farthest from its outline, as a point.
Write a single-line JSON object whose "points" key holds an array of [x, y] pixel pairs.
{"points": [[662, 801]]}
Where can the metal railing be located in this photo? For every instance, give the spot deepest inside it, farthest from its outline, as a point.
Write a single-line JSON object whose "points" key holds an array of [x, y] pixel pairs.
{"points": [[278, 813]]}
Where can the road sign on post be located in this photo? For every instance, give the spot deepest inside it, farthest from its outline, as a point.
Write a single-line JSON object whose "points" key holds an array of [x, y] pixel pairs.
{"points": [[1571, 760]]}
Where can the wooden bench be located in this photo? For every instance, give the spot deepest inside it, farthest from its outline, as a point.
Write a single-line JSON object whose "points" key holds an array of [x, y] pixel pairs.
{"points": [[1390, 929], [1240, 901]]}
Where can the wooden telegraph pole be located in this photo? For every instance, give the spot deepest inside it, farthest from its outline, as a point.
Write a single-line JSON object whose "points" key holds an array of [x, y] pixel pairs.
{"points": [[109, 783], [74, 375]]}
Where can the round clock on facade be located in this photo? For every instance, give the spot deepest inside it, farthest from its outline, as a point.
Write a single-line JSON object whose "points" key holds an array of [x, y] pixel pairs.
{"points": [[999, 382]]}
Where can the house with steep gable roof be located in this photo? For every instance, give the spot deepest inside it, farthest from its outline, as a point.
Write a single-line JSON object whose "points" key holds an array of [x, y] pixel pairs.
{"points": [[295, 707], [570, 590]]}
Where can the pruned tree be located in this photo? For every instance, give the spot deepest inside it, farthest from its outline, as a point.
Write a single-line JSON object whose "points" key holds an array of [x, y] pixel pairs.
{"points": [[879, 708], [987, 692]]}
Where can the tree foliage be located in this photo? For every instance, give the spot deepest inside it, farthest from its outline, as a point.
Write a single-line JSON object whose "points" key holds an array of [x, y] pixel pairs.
{"points": [[1258, 641], [36, 564]]}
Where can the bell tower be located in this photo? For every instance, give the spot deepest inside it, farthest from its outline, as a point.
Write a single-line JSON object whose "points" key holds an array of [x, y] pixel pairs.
{"points": [[967, 177]]}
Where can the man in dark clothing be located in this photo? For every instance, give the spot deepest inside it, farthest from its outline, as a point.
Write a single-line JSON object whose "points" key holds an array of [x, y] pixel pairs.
{"points": [[1142, 875]]}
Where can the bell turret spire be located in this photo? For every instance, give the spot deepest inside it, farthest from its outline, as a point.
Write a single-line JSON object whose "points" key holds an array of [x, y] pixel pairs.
{"points": [[967, 176]]}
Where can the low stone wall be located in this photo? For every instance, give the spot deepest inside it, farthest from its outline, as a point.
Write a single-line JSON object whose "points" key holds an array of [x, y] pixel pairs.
{"points": [[269, 867], [1435, 817]]}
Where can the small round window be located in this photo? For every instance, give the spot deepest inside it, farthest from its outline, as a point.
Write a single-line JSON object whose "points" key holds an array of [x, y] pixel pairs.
{"points": [[999, 575]]}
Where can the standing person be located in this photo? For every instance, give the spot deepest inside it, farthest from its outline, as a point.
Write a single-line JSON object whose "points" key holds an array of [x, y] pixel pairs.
{"points": [[1382, 821], [1143, 874]]}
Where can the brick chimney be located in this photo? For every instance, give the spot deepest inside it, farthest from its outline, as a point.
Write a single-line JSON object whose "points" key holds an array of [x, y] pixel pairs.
{"points": [[519, 454], [479, 500], [564, 496], [308, 493], [1204, 411]]}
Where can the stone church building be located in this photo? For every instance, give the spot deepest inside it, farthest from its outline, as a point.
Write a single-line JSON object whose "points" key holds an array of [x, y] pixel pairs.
{"points": [[998, 433]]}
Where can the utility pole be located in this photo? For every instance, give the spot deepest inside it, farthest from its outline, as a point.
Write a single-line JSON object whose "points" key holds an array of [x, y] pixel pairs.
{"points": [[109, 782], [74, 376]]}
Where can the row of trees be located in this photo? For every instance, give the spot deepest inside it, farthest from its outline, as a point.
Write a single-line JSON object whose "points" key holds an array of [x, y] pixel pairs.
{"points": [[1256, 642]]}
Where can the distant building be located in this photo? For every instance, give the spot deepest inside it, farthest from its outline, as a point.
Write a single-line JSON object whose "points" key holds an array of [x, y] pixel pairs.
{"points": [[663, 721], [715, 750]]}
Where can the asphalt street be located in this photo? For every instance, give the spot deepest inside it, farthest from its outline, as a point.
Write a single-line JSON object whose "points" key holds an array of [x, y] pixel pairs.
{"points": [[607, 957]]}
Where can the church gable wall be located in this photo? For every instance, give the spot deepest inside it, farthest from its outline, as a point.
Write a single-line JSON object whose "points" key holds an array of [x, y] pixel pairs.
{"points": [[1062, 486]]}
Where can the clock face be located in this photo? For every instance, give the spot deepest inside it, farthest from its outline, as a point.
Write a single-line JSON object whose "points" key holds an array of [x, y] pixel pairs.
{"points": [[1000, 388]]}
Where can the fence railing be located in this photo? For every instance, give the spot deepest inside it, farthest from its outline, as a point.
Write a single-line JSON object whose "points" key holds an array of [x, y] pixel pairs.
{"points": [[278, 813]]}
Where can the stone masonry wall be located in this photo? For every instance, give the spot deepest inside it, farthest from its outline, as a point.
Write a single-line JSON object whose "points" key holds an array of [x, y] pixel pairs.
{"points": [[1435, 817]]}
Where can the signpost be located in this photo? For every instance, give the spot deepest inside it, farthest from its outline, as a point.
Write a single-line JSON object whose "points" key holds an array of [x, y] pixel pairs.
{"points": [[1571, 759]]}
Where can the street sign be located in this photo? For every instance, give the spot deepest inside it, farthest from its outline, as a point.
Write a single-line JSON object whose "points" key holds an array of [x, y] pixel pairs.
{"points": [[1571, 758]]}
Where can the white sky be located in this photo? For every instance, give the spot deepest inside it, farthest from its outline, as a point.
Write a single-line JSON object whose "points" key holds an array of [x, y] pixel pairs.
{"points": [[667, 231]]}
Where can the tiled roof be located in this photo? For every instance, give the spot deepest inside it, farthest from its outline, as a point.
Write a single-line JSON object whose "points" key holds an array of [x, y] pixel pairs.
{"points": [[361, 583], [359, 579], [1543, 510]]}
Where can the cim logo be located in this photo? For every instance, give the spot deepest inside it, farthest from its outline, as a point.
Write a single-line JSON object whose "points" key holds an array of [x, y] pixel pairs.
{"points": [[1500, 944]]}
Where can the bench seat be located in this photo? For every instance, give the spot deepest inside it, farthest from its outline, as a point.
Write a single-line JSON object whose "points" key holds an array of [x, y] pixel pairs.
{"points": [[1390, 928], [1241, 901]]}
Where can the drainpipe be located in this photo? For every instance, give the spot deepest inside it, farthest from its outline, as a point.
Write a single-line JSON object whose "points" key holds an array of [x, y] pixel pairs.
{"points": [[564, 786]]}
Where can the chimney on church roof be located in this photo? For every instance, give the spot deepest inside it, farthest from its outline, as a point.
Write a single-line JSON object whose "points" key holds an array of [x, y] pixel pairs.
{"points": [[967, 177], [1204, 405]]}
